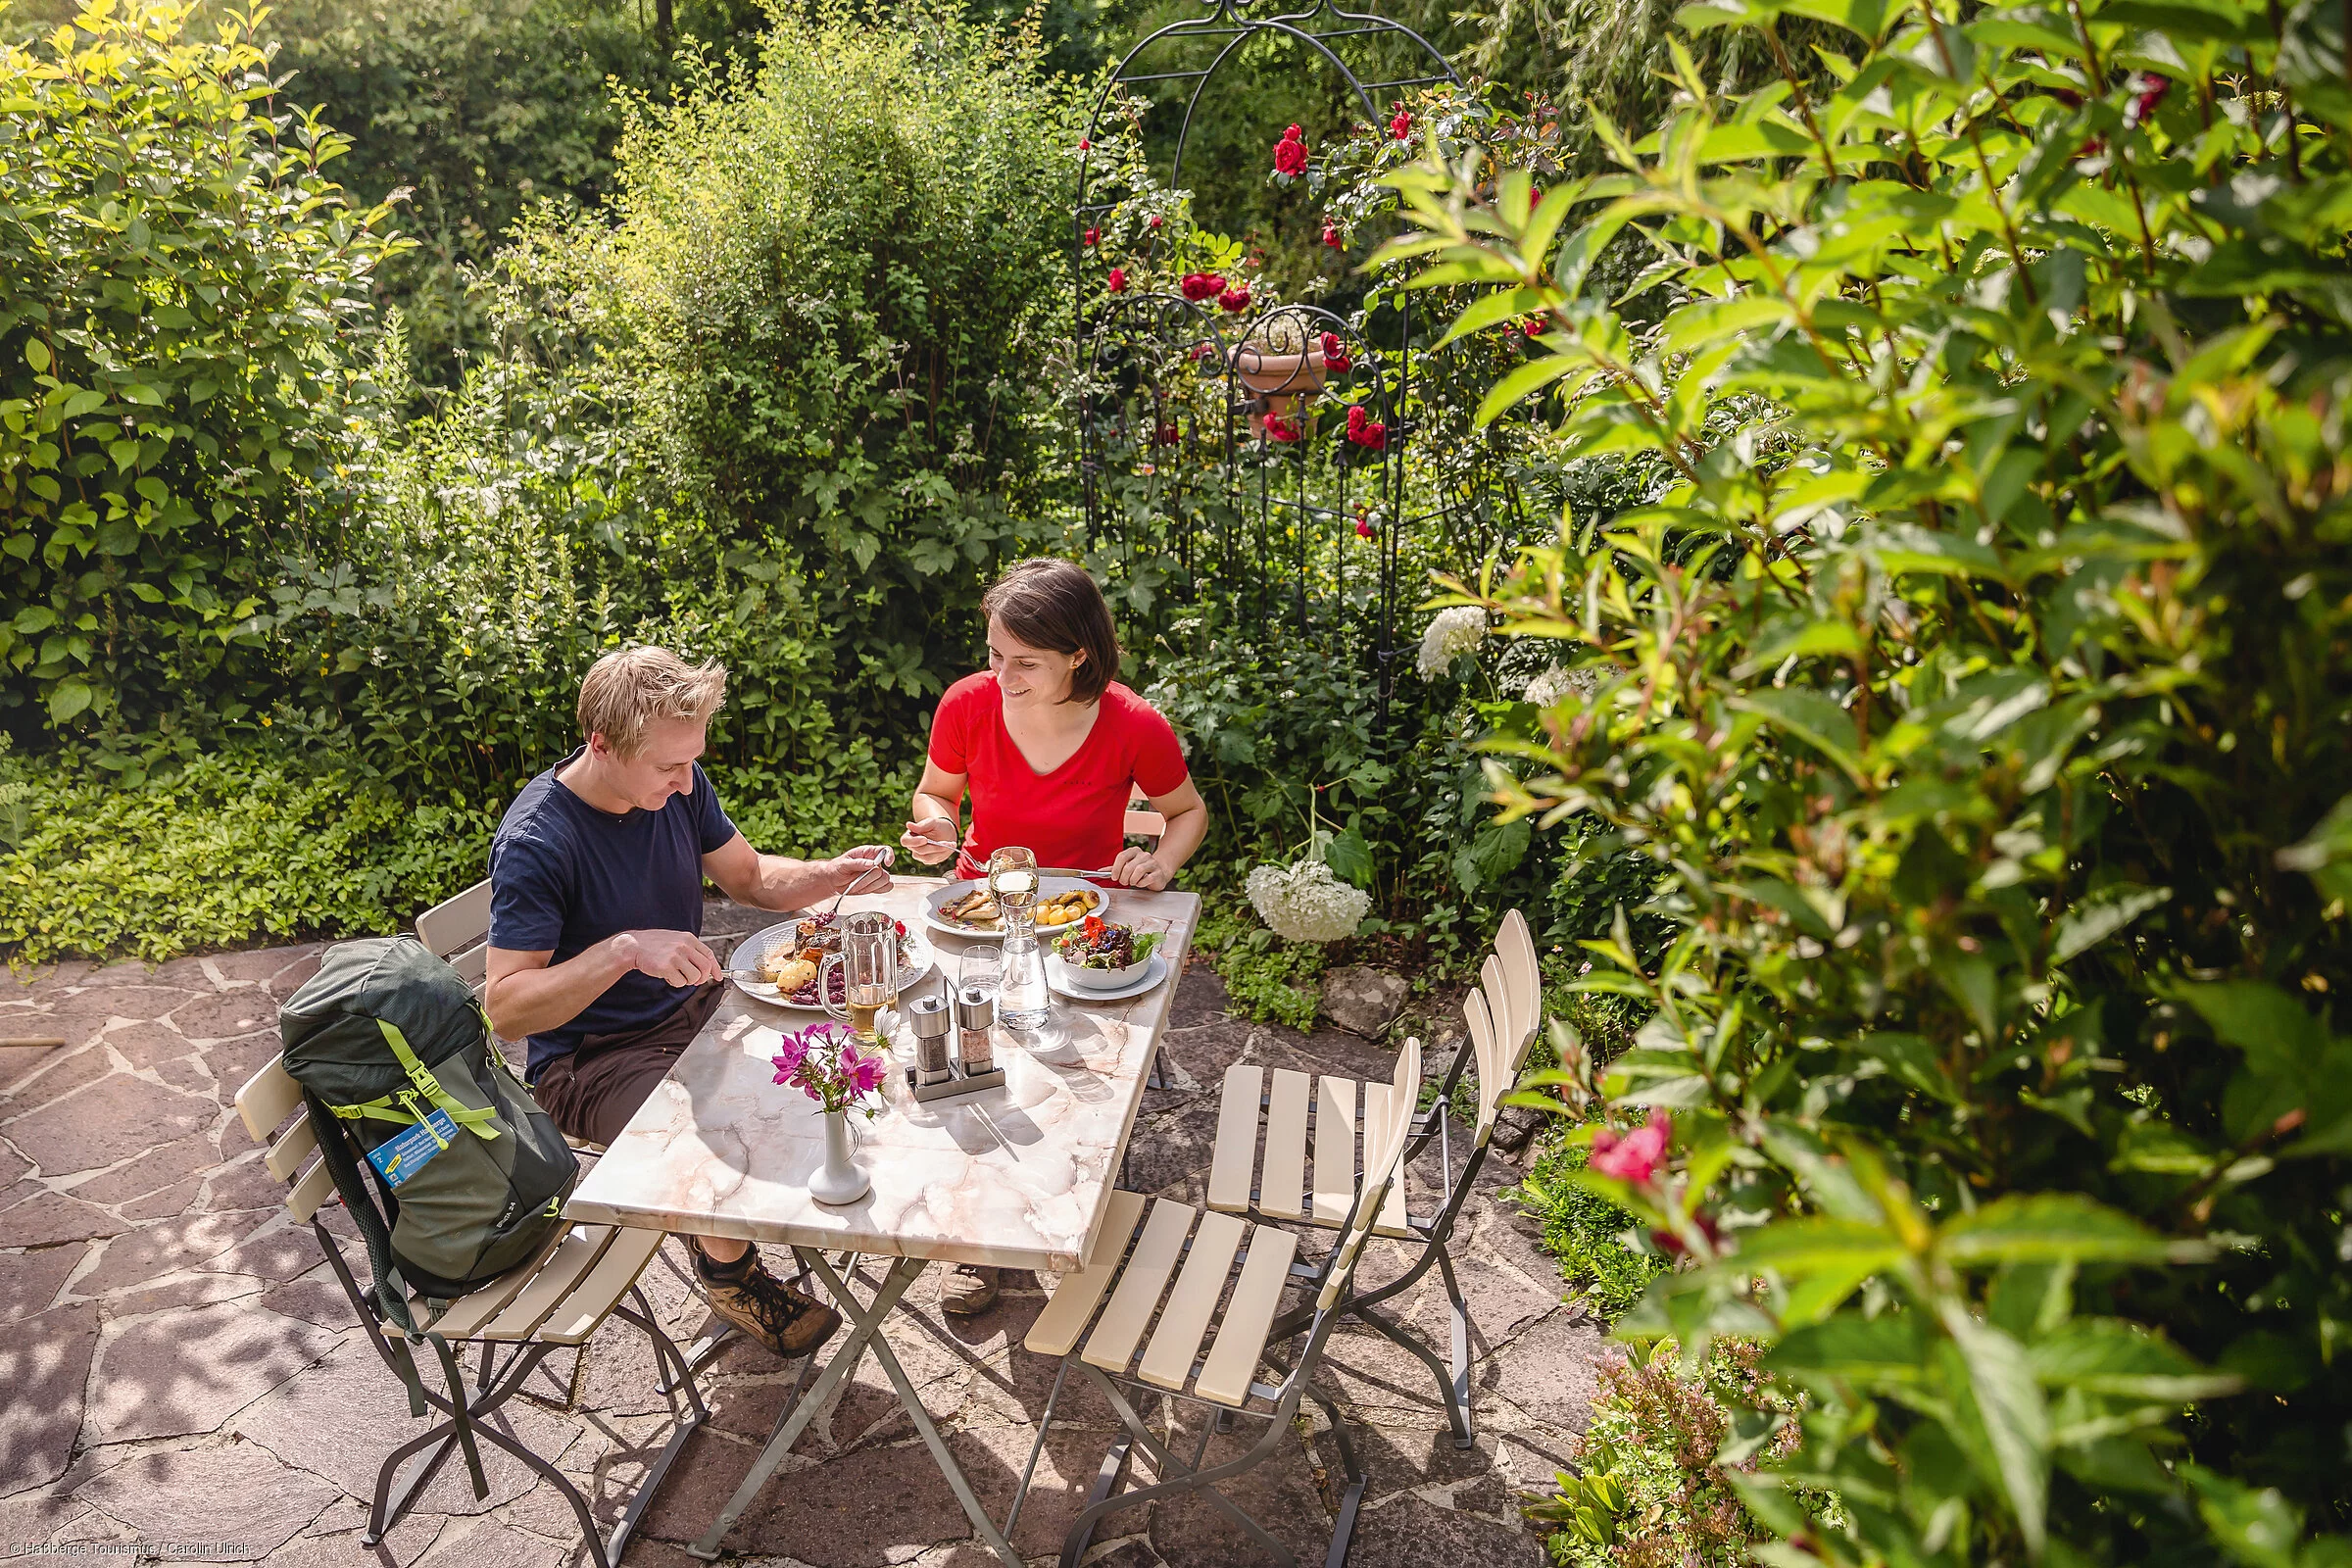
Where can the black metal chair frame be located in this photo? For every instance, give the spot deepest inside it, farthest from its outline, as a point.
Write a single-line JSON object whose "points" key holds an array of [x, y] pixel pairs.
{"points": [[493, 1388]]}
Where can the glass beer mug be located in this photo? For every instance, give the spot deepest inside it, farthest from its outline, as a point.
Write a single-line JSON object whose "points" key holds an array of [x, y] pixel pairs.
{"points": [[869, 962]]}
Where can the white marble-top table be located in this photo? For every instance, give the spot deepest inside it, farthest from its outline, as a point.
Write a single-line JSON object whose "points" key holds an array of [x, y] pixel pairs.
{"points": [[1015, 1176]]}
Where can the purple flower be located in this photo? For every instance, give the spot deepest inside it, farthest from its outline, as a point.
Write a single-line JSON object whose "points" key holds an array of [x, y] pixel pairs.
{"points": [[862, 1074], [791, 1059]]}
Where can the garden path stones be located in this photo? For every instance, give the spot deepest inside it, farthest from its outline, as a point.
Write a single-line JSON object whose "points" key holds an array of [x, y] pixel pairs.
{"points": [[182, 1364], [1362, 999]]}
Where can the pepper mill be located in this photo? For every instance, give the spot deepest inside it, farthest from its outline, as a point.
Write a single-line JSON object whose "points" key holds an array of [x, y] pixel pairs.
{"points": [[932, 1025]]}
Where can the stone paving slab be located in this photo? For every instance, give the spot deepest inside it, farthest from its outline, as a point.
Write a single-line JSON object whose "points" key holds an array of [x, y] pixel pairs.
{"points": [[182, 1369]]}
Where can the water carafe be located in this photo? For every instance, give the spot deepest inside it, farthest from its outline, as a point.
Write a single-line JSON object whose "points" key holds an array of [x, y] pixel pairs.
{"points": [[1022, 999]]}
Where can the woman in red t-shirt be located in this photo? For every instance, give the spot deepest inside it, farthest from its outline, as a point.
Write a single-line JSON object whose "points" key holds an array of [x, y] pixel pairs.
{"points": [[1050, 747]]}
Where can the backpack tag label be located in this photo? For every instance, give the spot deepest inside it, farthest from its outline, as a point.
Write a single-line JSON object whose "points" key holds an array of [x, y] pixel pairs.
{"points": [[399, 1157]]}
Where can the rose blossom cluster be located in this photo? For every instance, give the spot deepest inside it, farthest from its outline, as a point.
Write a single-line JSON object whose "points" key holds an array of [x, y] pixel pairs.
{"points": [[1306, 903], [1336, 358], [1633, 1156], [1365, 431], [1289, 154], [1199, 286]]}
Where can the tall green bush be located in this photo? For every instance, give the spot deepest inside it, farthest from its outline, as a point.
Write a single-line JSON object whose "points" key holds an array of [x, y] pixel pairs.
{"points": [[1979, 684], [178, 318]]}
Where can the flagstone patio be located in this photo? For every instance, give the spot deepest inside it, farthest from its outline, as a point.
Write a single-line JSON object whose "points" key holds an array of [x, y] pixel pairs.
{"points": [[183, 1379]]}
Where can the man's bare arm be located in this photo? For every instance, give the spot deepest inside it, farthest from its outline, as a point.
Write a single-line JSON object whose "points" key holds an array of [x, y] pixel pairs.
{"points": [[528, 995], [779, 882]]}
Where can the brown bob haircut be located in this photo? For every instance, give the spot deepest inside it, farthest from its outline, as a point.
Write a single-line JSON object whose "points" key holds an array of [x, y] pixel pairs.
{"points": [[1054, 605]]}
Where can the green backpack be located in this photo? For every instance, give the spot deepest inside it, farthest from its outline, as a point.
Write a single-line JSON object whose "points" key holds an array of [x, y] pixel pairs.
{"points": [[389, 1044]]}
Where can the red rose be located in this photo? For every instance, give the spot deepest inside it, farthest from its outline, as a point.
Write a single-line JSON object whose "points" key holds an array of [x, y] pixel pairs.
{"points": [[1365, 431], [1363, 528], [1533, 326], [1117, 280], [1633, 1156], [1094, 236], [1289, 154], [1199, 286], [1236, 298], [2152, 89], [1200, 351], [1331, 236], [1169, 435], [1334, 354], [1156, 221], [1402, 127], [1279, 428], [1085, 146]]}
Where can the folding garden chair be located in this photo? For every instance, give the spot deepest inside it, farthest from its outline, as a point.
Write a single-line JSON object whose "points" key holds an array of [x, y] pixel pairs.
{"points": [[1135, 1258], [579, 1277], [1500, 1016], [457, 931]]}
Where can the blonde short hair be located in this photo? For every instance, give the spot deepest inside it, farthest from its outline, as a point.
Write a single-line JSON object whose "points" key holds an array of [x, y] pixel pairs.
{"points": [[632, 688]]}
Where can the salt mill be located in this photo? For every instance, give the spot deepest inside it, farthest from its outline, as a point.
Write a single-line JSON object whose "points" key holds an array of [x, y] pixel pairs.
{"points": [[932, 1025], [975, 1026]]}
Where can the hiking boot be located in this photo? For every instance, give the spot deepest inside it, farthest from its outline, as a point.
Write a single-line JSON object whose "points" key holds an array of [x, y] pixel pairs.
{"points": [[783, 1319], [970, 1290]]}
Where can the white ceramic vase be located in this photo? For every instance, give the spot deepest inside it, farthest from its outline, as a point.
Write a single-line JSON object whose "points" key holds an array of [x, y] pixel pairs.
{"points": [[841, 1180]]}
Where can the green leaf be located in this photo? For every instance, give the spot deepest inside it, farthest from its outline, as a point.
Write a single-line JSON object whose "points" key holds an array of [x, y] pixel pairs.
{"points": [[2123, 1359], [1873, 1353], [1525, 383], [2100, 916], [2256, 1525], [1349, 856], [2052, 1228], [67, 698], [2000, 1417], [37, 355]]}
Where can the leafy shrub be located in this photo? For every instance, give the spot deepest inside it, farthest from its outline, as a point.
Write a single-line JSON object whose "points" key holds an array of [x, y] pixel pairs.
{"points": [[1588, 1235], [1652, 1489], [255, 843], [1977, 687], [177, 319]]}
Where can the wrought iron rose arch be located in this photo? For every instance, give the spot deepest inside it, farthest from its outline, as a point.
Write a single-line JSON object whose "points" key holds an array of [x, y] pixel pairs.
{"points": [[1177, 390]]}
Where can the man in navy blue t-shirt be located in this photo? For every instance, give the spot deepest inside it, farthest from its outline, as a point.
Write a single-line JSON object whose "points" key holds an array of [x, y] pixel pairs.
{"points": [[595, 916]]}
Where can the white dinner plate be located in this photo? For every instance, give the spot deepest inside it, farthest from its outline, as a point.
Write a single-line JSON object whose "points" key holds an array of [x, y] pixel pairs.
{"points": [[1152, 976], [919, 961], [1047, 887]]}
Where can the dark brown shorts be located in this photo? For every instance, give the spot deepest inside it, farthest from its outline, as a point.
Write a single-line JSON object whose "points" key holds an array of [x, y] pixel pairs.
{"points": [[593, 1092]]}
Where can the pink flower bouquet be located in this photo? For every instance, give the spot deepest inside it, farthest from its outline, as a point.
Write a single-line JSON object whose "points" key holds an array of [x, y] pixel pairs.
{"points": [[822, 1062]]}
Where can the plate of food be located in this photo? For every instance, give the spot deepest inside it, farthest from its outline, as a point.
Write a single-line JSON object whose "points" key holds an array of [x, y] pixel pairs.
{"points": [[779, 965], [969, 909], [1103, 960]]}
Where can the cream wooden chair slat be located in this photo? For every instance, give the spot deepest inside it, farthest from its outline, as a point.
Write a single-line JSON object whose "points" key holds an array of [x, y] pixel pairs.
{"points": [[465, 1316], [578, 1278], [592, 1300], [1234, 1163], [1126, 1315], [1335, 1149], [1224, 1379], [1184, 1321], [1282, 1182], [1392, 1222], [1074, 1302], [297, 1144], [456, 922], [1502, 1016], [555, 1281]]}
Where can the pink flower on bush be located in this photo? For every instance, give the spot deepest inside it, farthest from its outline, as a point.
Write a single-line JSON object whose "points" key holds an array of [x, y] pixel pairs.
{"points": [[1633, 1156], [1333, 238], [1402, 127], [1280, 429], [1289, 154], [1336, 359], [1236, 298], [1156, 221], [1116, 283]]}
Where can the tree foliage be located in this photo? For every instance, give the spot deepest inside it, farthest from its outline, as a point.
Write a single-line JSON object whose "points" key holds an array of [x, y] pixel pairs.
{"points": [[1978, 678], [177, 326]]}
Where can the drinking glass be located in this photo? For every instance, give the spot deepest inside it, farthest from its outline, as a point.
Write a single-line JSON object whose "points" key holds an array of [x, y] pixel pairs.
{"points": [[1022, 999], [868, 960], [982, 968]]}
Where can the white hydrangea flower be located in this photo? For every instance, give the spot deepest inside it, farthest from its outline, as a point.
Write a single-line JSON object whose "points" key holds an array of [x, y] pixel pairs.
{"points": [[1306, 903], [1557, 685], [1452, 632]]}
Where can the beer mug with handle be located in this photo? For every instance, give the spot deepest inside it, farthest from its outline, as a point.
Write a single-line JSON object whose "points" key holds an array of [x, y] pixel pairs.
{"points": [[869, 960]]}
